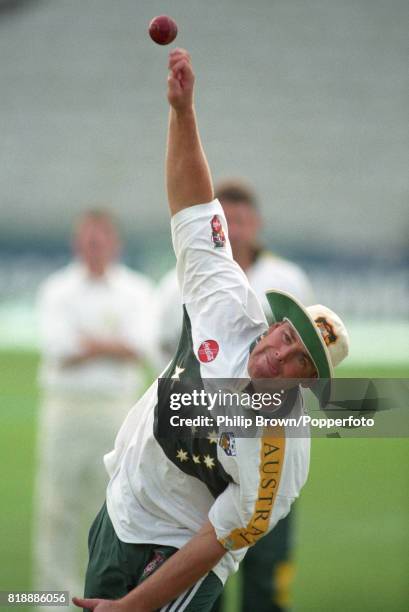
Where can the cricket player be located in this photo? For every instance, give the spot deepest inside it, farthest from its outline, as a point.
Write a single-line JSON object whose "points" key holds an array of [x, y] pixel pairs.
{"points": [[267, 569], [94, 332], [179, 516]]}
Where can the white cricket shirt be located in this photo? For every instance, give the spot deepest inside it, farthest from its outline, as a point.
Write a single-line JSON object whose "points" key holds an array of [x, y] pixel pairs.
{"points": [[162, 489], [72, 306]]}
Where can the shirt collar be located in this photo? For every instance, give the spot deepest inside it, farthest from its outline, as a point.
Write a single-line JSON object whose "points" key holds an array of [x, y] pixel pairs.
{"points": [[106, 279]]}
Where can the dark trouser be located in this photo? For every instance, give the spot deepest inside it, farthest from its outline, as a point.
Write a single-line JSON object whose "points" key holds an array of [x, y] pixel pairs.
{"points": [[116, 567], [267, 572]]}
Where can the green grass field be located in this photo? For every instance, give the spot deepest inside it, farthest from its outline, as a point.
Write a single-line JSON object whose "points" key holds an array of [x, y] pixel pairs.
{"points": [[352, 518]]}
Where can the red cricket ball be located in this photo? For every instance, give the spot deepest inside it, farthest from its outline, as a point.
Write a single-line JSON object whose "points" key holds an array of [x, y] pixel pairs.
{"points": [[163, 29]]}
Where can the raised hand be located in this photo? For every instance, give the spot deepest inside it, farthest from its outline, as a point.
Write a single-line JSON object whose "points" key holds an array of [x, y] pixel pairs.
{"points": [[180, 80]]}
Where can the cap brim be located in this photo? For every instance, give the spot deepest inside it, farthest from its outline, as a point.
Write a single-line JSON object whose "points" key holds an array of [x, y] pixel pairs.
{"points": [[285, 306]]}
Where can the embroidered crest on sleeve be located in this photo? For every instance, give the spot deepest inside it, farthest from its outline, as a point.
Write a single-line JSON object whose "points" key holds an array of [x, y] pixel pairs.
{"points": [[218, 237]]}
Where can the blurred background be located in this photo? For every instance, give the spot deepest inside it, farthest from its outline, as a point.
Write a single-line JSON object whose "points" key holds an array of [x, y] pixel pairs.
{"points": [[308, 99]]}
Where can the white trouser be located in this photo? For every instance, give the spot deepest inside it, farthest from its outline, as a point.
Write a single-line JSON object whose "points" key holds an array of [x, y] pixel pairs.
{"points": [[74, 432]]}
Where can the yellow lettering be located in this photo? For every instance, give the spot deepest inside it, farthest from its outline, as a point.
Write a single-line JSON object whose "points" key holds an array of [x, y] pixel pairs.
{"points": [[271, 470], [270, 448]]}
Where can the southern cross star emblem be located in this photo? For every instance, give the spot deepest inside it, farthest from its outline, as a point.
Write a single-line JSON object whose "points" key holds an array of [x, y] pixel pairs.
{"points": [[196, 458], [177, 372], [209, 461], [182, 455], [213, 437]]}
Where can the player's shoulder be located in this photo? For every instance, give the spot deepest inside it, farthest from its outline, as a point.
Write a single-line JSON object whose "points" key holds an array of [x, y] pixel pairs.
{"points": [[169, 277], [269, 261], [271, 268], [60, 282], [168, 281], [132, 279], [270, 271]]}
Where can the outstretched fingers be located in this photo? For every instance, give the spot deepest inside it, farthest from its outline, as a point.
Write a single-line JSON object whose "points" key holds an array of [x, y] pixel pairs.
{"points": [[86, 603]]}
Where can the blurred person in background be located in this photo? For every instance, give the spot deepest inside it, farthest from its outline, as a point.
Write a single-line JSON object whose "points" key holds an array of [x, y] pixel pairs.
{"points": [[95, 333], [267, 568]]}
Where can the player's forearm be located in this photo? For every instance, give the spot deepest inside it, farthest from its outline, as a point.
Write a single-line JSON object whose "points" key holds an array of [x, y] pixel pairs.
{"points": [[188, 176], [95, 350], [116, 350], [181, 571]]}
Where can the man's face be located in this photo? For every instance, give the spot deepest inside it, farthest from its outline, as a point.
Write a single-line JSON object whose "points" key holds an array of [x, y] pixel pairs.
{"points": [[280, 354], [96, 243], [243, 222]]}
